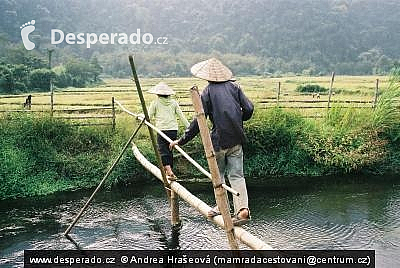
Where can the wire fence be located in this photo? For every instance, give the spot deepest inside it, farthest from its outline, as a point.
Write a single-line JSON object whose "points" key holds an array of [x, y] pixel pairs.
{"points": [[81, 114]]}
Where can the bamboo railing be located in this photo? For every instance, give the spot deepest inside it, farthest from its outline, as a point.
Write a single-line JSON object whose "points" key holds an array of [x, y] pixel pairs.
{"points": [[179, 149]]}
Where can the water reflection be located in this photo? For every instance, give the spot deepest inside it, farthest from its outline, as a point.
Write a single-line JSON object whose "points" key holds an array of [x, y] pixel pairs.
{"points": [[362, 215]]}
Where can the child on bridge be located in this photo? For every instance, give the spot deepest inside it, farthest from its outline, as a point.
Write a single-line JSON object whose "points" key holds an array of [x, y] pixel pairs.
{"points": [[165, 111]]}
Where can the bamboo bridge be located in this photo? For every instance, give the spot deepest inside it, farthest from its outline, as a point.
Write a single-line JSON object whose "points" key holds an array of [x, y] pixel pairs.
{"points": [[174, 188]]}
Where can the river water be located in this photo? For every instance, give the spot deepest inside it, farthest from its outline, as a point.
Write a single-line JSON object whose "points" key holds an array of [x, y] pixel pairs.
{"points": [[334, 214]]}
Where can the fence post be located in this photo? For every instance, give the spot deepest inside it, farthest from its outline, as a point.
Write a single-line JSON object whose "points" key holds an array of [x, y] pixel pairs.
{"points": [[376, 93], [113, 112], [51, 99], [330, 89], [278, 93], [51, 85]]}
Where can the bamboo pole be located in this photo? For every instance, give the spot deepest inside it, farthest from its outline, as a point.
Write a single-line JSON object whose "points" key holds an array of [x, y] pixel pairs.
{"points": [[84, 109], [175, 221], [85, 117], [153, 140], [247, 238], [273, 100], [103, 180], [91, 124], [146, 116], [220, 193], [330, 89], [179, 149]]}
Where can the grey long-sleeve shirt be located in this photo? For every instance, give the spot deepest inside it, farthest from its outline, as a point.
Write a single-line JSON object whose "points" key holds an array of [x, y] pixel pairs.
{"points": [[227, 107]]}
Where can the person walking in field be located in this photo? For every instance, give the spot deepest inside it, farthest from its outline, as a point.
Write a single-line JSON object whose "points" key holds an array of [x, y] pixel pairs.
{"points": [[165, 111], [227, 107]]}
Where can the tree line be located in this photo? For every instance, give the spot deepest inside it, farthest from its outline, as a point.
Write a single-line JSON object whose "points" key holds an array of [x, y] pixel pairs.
{"points": [[24, 72], [269, 37]]}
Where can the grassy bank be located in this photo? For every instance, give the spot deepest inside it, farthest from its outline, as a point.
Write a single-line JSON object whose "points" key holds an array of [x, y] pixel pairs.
{"points": [[345, 141], [40, 155]]}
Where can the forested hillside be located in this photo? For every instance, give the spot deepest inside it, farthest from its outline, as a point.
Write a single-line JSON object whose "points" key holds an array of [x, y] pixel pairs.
{"points": [[252, 37]]}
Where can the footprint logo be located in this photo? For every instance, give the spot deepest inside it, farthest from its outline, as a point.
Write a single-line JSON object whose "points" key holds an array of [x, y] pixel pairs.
{"points": [[26, 29]]}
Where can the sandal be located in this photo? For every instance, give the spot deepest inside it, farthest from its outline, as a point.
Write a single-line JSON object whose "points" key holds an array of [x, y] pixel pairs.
{"points": [[213, 212], [171, 177], [169, 174], [240, 221]]}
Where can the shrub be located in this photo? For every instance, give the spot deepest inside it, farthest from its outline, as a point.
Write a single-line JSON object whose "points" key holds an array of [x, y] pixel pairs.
{"points": [[346, 152], [62, 79], [273, 143], [6, 79], [311, 88], [40, 79]]}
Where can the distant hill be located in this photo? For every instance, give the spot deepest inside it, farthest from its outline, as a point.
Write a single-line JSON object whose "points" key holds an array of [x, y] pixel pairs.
{"points": [[252, 37]]}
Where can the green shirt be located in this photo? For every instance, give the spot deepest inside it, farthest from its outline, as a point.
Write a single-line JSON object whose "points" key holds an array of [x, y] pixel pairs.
{"points": [[165, 112]]}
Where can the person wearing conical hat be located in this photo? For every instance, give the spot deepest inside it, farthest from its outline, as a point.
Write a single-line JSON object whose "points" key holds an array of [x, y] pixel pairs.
{"points": [[227, 107], [165, 111]]}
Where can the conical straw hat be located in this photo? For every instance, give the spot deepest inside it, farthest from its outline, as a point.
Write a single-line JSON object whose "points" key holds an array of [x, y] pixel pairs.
{"points": [[162, 89], [211, 70]]}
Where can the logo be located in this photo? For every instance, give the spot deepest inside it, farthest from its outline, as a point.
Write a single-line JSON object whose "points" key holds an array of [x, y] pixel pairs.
{"points": [[26, 29], [89, 39]]}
